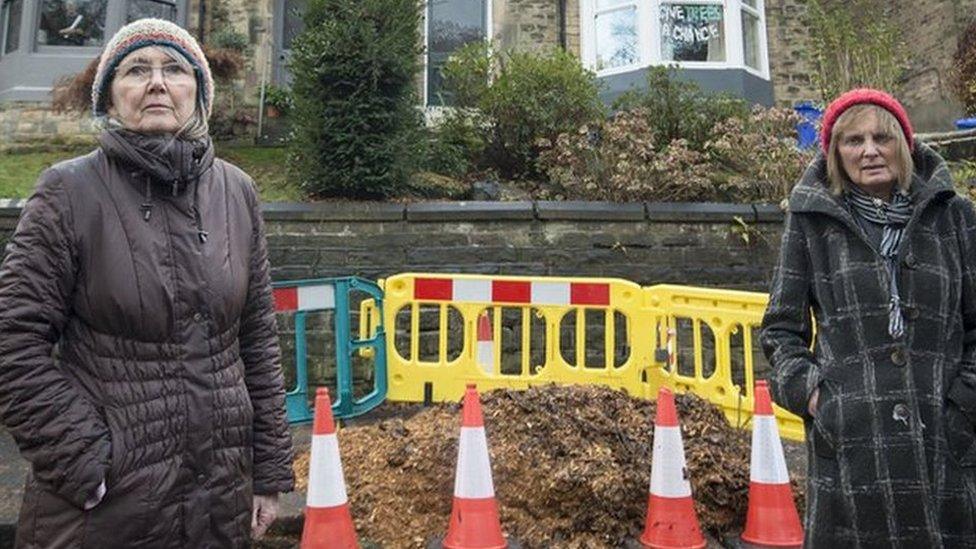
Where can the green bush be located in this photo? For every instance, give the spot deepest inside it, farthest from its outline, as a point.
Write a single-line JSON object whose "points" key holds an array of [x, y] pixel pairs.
{"points": [[678, 109], [355, 115], [230, 39], [854, 44], [279, 98], [453, 147], [523, 101], [754, 159]]}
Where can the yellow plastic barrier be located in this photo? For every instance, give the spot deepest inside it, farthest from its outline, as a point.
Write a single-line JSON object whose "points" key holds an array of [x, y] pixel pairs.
{"points": [[545, 305], [570, 331], [722, 324]]}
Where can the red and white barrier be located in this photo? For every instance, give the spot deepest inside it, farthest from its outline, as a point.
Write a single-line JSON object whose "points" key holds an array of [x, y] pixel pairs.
{"points": [[304, 298], [328, 522], [474, 515], [465, 290]]}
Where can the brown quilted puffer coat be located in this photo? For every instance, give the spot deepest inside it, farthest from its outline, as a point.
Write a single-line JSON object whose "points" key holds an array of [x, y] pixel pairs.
{"points": [[138, 345]]}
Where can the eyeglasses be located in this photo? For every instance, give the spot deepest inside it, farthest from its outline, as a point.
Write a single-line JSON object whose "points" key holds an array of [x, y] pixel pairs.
{"points": [[172, 73]]}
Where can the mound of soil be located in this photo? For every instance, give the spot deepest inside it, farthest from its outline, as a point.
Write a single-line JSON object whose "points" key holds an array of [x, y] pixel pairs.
{"points": [[571, 467]]}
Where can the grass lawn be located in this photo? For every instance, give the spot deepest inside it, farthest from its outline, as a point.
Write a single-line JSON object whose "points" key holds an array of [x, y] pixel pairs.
{"points": [[19, 171]]}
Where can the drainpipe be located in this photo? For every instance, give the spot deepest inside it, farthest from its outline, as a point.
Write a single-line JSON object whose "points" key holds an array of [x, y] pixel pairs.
{"points": [[561, 16], [202, 15]]}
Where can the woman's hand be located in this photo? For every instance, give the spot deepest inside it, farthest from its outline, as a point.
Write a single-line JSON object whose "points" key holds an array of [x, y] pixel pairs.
{"points": [[812, 405], [265, 512]]}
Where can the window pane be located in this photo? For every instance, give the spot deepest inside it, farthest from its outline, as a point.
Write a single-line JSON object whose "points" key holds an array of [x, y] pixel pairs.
{"points": [[13, 11], [452, 24], [72, 23], [750, 40], [616, 38], [608, 4], [160, 9], [692, 32], [750, 3], [294, 24]]}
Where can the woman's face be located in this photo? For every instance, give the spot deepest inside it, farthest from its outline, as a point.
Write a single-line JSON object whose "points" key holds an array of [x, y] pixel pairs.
{"points": [[152, 93], [868, 153]]}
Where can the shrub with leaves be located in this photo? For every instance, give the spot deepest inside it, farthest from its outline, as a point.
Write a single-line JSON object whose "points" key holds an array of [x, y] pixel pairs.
{"points": [[743, 160], [679, 109], [523, 100], [963, 72], [619, 160], [355, 116], [757, 158], [854, 44]]}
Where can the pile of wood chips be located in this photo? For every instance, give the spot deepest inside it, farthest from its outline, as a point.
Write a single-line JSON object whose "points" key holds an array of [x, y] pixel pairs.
{"points": [[571, 468]]}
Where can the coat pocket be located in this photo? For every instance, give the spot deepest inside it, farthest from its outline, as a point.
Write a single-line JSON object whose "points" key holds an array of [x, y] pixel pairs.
{"points": [[960, 436], [826, 422]]}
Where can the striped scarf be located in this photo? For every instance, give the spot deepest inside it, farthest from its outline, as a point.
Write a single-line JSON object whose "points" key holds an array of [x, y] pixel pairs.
{"points": [[893, 216]]}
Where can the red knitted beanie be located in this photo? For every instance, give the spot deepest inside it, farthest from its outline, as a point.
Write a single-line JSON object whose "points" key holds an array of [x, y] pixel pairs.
{"points": [[862, 96]]}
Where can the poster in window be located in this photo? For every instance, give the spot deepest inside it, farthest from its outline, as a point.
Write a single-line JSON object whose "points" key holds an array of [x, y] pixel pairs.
{"points": [[692, 32]]}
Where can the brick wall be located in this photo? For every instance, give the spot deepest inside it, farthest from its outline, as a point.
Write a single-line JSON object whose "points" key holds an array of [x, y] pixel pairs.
{"points": [[25, 122]]}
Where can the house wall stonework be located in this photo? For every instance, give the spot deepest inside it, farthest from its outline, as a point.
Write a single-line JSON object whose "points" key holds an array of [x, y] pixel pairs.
{"points": [[791, 68], [932, 29]]}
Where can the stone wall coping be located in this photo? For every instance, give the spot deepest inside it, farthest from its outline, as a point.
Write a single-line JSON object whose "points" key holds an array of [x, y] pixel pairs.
{"points": [[544, 210]]}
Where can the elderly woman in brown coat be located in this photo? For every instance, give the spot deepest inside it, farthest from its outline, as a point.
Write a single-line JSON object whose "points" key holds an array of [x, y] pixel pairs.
{"points": [[882, 251], [139, 364]]}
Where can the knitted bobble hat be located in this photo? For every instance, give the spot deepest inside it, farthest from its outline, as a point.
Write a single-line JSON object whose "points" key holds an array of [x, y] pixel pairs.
{"points": [[862, 96], [143, 33]]}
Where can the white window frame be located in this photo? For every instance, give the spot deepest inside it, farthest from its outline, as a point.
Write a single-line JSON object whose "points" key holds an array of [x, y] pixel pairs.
{"points": [[649, 37], [488, 35]]}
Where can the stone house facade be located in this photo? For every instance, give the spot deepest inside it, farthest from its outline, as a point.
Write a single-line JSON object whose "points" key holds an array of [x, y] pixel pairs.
{"points": [[756, 49]]}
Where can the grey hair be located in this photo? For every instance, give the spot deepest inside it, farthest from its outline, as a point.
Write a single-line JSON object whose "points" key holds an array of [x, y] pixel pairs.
{"points": [[197, 126]]}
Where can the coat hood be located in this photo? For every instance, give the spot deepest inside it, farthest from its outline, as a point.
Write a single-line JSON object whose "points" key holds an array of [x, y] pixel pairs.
{"points": [[170, 163]]}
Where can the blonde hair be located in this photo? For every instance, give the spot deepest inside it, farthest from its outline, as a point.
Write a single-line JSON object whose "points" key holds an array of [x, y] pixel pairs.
{"points": [[889, 124], [196, 126]]}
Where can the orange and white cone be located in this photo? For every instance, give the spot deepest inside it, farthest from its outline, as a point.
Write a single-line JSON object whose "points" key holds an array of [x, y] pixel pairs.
{"points": [[671, 520], [772, 519], [486, 347], [328, 523], [474, 516]]}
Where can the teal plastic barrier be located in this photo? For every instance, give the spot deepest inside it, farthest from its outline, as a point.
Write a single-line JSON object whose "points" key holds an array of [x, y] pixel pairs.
{"points": [[344, 402]]}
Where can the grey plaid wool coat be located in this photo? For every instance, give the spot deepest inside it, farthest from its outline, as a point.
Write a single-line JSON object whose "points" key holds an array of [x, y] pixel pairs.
{"points": [[892, 446]]}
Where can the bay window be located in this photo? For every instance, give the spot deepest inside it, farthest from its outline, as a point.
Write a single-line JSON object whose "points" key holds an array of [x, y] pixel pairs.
{"points": [[623, 35]]}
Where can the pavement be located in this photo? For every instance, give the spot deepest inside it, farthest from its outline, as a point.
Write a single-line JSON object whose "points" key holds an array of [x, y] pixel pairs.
{"points": [[13, 473]]}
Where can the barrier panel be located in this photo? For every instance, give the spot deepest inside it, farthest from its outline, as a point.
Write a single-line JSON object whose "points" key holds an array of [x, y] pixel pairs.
{"points": [[565, 330], [570, 330], [304, 297], [713, 347]]}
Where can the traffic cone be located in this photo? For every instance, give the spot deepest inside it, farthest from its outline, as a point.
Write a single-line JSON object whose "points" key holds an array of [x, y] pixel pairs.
{"points": [[474, 516], [772, 519], [671, 520], [328, 523], [486, 348]]}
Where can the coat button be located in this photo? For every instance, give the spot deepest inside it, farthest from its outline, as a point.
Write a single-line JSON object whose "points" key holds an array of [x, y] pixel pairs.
{"points": [[910, 260], [898, 357], [197, 317], [911, 313], [201, 478], [901, 413]]}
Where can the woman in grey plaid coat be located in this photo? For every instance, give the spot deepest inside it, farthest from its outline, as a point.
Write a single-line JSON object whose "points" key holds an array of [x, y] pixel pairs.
{"points": [[882, 251]]}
